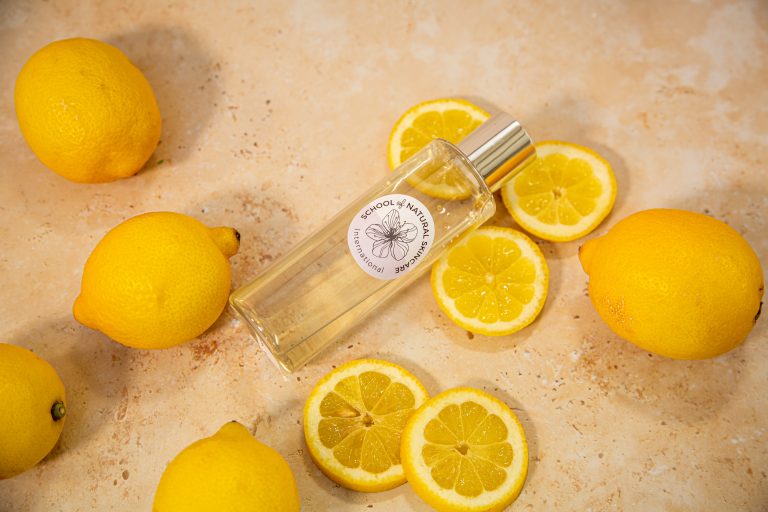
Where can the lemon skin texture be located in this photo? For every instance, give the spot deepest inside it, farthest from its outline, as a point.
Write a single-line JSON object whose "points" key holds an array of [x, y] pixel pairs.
{"points": [[229, 471], [32, 408], [86, 111], [157, 280], [677, 283]]}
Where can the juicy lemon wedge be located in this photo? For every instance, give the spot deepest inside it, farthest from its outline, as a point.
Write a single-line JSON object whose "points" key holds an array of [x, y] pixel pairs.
{"points": [[493, 281], [450, 119], [564, 194], [465, 450], [353, 420]]}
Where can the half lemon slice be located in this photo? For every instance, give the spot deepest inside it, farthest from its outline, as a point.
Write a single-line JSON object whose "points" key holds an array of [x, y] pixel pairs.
{"points": [[493, 281], [450, 119], [564, 194], [353, 420], [465, 450]]}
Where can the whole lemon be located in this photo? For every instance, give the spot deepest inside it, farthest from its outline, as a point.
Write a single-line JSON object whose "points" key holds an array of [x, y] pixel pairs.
{"points": [[157, 280], [86, 111], [32, 408], [229, 471], [677, 283]]}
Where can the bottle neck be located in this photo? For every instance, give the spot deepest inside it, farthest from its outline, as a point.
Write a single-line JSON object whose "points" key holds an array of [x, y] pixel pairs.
{"points": [[499, 149]]}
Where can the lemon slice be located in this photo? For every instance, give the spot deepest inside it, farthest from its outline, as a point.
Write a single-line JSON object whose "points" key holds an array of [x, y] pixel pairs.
{"points": [[493, 281], [564, 194], [450, 119], [353, 420], [465, 450]]}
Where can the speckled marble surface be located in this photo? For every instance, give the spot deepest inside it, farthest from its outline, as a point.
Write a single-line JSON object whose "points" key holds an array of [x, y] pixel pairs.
{"points": [[277, 113]]}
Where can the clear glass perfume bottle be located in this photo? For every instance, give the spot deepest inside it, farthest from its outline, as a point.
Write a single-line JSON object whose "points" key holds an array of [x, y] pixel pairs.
{"points": [[381, 242]]}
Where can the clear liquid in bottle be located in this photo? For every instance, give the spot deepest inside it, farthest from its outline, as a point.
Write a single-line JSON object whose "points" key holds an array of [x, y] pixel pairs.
{"points": [[374, 247]]}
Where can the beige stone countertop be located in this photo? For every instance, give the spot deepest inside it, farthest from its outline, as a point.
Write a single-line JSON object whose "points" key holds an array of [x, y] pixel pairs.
{"points": [[276, 114]]}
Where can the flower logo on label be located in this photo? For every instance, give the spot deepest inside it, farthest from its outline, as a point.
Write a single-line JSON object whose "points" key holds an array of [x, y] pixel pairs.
{"points": [[402, 230], [391, 236]]}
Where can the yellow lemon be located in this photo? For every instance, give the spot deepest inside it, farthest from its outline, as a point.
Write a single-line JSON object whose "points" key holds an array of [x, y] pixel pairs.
{"points": [[86, 111], [353, 419], [677, 283], [493, 281], [450, 119], [565, 194], [32, 408], [465, 451], [157, 280], [229, 471]]}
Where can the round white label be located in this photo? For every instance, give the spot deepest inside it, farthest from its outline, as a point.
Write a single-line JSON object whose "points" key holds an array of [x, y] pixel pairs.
{"points": [[391, 235]]}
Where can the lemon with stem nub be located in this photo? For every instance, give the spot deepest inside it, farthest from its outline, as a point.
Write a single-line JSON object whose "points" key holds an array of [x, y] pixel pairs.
{"points": [[157, 280], [32, 407], [230, 471]]}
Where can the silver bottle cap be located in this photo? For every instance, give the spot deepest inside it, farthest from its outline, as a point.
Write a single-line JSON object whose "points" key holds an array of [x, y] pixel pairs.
{"points": [[499, 149]]}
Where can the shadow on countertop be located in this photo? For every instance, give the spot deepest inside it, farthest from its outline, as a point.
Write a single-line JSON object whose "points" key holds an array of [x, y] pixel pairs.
{"points": [[185, 80]]}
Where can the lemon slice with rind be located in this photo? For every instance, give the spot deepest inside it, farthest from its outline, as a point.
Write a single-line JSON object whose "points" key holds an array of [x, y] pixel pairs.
{"points": [[493, 281], [353, 420], [450, 119], [465, 450], [564, 195]]}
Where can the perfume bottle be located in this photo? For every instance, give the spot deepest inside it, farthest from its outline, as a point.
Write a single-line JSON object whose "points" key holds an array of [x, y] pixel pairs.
{"points": [[380, 243]]}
